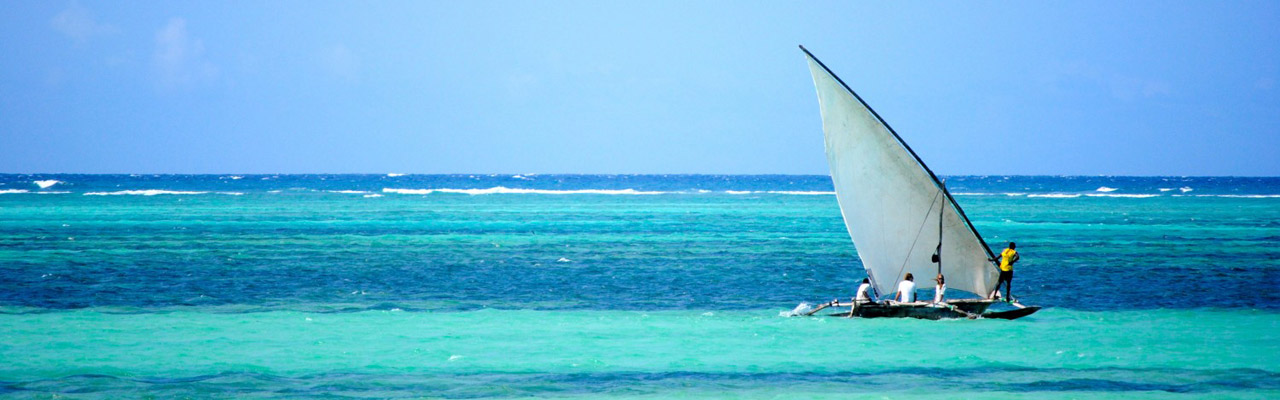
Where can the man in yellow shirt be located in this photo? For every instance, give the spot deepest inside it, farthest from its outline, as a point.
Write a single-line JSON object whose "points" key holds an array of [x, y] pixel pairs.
{"points": [[1007, 258]]}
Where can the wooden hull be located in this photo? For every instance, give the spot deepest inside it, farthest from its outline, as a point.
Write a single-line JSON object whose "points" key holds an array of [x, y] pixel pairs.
{"points": [[951, 310]]}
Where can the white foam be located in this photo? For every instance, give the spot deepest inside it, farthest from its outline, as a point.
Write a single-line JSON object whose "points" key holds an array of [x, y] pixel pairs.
{"points": [[801, 309], [348, 191], [13, 191], [1185, 189], [149, 192], [520, 177], [1105, 189], [1055, 195], [45, 184], [233, 177], [372, 195], [232, 193], [1241, 196], [1009, 194], [1165, 189], [407, 191], [564, 260], [1132, 196], [799, 192], [791, 192], [505, 190], [393, 174]]}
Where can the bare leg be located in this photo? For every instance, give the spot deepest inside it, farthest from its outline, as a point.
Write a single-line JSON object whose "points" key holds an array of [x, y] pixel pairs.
{"points": [[1008, 288]]}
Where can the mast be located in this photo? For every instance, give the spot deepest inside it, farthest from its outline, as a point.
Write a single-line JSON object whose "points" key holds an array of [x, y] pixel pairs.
{"points": [[942, 216]]}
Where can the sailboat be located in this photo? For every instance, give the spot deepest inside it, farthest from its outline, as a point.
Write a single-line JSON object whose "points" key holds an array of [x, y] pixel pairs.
{"points": [[899, 214]]}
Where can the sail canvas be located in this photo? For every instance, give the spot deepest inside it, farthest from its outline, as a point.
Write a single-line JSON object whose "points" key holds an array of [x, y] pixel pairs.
{"points": [[891, 202]]}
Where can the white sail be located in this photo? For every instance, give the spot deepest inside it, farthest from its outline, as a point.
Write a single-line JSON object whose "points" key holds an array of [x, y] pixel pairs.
{"points": [[891, 202]]}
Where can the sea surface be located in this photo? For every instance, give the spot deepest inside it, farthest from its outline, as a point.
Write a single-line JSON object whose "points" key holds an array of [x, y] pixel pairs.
{"points": [[615, 286]]}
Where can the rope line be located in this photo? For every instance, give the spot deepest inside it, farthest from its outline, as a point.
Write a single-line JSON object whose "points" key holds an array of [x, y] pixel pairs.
{"points": [[917, 239]]}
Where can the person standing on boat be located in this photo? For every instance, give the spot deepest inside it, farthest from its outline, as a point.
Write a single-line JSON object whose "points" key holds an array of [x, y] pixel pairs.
{"points": [[907, 289], [1007, 258], [940, 290]]}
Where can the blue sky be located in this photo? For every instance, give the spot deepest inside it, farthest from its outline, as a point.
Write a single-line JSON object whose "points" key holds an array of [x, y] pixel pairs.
{"points": [[1079, 87]]}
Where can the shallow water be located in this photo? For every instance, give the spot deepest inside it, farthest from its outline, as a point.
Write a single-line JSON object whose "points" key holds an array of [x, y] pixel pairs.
{"points": [[523, 352], [614, 286]]}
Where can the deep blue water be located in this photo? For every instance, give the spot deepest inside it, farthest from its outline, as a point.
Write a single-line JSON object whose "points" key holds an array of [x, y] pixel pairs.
{"points": [[461, 286], [308, 242]]}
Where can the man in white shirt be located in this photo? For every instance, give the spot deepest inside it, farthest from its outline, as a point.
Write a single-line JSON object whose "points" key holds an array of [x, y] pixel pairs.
{"points": [[907, 290], [866, 293]]}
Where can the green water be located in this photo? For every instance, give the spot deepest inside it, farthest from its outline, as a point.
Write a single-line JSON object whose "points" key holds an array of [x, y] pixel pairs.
{"points": [[751, 352]]}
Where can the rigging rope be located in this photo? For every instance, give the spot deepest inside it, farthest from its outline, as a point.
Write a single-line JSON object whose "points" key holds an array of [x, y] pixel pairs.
{"points": [[917, 239]]}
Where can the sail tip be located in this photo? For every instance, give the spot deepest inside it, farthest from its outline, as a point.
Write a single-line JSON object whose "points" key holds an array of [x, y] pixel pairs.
{"points": [[807, 53]]}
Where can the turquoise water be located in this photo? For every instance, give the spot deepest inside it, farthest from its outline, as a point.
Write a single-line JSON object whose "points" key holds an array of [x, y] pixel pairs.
{"points": [[614, 286]]}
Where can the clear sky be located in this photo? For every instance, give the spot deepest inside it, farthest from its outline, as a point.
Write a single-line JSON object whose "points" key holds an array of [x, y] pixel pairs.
{"points": [[1072, 87]]}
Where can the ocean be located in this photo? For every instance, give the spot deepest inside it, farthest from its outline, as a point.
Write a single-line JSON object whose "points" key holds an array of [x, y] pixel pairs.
{"points": [[615, 286]]}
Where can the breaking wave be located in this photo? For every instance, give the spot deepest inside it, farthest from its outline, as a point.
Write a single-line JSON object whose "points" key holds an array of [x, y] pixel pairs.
{"points": [[799, 192], [13, 191], [45, 184], [1133, 196], [791, 192], [1105, 189], [155, 192], [1121, 195], [506, 190], [1234, 196]]}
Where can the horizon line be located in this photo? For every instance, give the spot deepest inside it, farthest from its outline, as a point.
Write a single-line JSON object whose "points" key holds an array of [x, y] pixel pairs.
{"points": [[398, 174]]}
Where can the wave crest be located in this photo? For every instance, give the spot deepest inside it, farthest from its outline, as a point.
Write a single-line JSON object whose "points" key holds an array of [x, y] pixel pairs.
{"points": [[1055, 195], [148, 192], [506, 190], [1132, 196]]}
